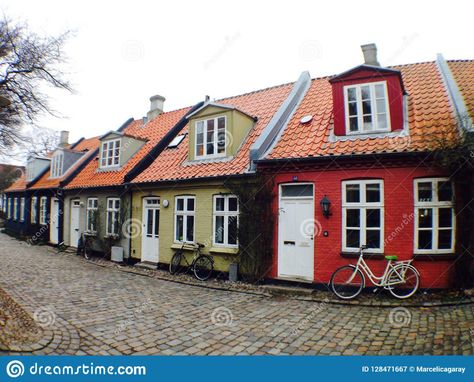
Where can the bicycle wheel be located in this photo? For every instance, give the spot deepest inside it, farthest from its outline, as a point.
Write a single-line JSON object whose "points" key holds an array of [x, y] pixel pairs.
{"points": [[87, 252], [347, 282], [405, 281], [175, 264], [203, 267]]}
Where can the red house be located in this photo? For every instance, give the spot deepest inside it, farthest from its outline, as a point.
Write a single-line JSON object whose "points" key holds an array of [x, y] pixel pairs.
{"points": [[363, 141]]}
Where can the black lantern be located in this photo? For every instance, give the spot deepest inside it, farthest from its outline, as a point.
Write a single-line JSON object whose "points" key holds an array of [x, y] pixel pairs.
{"points": [[325, 206]]}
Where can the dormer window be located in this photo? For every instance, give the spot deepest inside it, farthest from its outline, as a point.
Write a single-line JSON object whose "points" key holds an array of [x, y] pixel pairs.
{"points": [[57, 165], [366, 108], [110, 153], [211, 138]]}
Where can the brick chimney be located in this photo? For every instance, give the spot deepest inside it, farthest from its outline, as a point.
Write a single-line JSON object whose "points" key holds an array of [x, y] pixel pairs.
{"points": [[63, 138], [156, 106], [370, 54]]}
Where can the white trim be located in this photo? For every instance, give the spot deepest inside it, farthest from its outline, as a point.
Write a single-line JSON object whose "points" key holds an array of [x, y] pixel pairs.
{"points": [[15, 208], [216, 138], [362, 206], [105, 158], [22, 209], [114, 210], [185, 212], [373, 104], [34, 210], [89, 208], [57, 164], [43, 211], [226, 214], [9, 208], [434, 205]]}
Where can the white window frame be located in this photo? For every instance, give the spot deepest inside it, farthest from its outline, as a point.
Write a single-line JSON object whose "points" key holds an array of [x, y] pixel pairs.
{"points": [[116, 211], [4, 203], [43, 211], [15, 208], [22, 209], [9, 208], [104, 153], [216, 136], [57, 165], [34, 209], [362, 205], [227, 215], [373, 103], [92, 205], [435, 205], [185, 213]]}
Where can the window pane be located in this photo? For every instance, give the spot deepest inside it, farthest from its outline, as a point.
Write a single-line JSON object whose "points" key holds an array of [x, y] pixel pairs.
{"points": [[353, 218], [219, 234], [353, 124], [110, 219], [445, 193], [368, 122], [366, 107], [180, 204], [372, 238], [233, 205], [220, 204], [157, 222], [149, 225], [444, 239], [297, 190], [352, 193], [351, 94], [210, 137], [381, 106], [200, 150], [232, 232], [382, 121], [425, 192], [373, 218], [179, 227], [445, 217], [425, 239], [379, 91], [221, 143], [190, 228], [352, 238], [352, 108], [190, 204], [425, 217], [372, 193], [365, 92]]}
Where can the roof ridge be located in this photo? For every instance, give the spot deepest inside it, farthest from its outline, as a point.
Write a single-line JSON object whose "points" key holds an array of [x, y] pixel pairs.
{"points": [[257, 91]]}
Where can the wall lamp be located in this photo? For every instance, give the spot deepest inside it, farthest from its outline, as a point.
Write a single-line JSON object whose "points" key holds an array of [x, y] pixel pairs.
{"points": [[325, 204]]}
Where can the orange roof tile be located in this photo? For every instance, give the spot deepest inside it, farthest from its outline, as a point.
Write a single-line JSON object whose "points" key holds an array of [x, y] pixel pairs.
{"points": [[172, 163], [18, 185], [430, 117], [463, 73]]}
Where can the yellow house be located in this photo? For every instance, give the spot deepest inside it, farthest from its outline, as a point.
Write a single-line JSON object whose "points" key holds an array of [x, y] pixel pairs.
{"points": [[182, 197]]}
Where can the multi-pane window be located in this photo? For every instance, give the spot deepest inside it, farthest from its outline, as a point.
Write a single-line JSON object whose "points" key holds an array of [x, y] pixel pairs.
{"points": [[15, 208], [211, 137], [434, 216], [362, 214], [367, 108], [113, 216], [34, 206], [4, 203], [184, 218], [9, 208], [92, 207], [57, 165], [110, 153], [22, 209], [226, 215], [43, 212]]}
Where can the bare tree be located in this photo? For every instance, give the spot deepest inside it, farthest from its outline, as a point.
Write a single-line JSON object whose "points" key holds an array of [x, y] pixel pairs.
{"points": [[27, 62]]}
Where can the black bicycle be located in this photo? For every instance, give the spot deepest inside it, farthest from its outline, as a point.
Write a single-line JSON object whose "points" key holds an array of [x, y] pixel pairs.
{"points": [[201, 265], [85, 246]]}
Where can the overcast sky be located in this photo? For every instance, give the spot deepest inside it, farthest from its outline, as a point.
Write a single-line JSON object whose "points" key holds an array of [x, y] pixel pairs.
{"points": [[125, 51]]}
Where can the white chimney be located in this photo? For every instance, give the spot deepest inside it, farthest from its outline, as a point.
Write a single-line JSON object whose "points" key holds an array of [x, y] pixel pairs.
{"points": [[370, 54], [156, 106], [63, 138]]}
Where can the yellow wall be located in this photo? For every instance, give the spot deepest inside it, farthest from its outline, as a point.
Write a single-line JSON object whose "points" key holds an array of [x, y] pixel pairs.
{"points": [[203, 222]]}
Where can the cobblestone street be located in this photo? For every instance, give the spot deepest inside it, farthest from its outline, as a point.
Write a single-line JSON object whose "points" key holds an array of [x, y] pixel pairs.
{"points": [[96, 310]]}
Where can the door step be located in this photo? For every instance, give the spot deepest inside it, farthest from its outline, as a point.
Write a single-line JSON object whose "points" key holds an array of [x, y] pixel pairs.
{"points": [[287, 290], [146, 265]]}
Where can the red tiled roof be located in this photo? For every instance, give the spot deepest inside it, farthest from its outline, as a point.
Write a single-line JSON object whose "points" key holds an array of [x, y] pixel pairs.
{"points": [[463, 73], [152, 131], [430, 117], [45, 181], [172, 163], [18, 185]]}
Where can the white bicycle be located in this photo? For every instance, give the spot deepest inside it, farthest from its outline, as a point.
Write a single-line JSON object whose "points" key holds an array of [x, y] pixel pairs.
{"points": [[400, 278]]}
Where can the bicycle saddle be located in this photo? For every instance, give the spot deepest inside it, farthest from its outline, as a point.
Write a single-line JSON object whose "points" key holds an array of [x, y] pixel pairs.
{"points": [[200, 245]]}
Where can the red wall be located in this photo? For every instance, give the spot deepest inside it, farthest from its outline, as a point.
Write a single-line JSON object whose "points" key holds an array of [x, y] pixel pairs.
{"points": [[398, 201], [395, 97]]}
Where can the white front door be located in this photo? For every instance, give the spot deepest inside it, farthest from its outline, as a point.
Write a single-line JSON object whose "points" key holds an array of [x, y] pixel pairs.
{"points": [[54, 221], [74, 230], [150, 231], [296, 228]]}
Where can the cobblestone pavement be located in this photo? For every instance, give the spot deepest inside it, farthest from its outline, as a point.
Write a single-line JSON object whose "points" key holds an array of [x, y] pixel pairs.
{"points": [[97, 310]]}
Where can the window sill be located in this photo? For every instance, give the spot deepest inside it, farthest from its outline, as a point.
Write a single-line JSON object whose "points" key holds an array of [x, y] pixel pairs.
{"points": [[367, 255], [434, 256], [224, 250]]}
